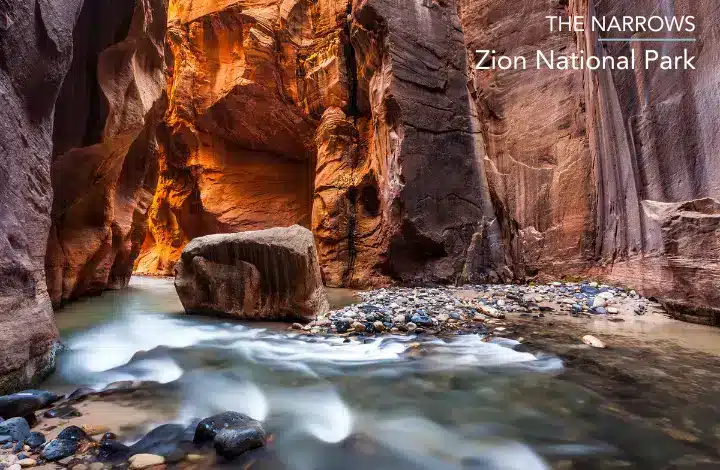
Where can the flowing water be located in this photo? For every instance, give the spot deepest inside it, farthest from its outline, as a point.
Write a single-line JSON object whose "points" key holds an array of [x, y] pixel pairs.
{"points": [[332, 403]]}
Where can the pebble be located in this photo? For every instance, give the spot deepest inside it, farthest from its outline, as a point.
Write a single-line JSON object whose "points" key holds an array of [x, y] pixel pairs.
{"points": [[139, 461], [81, 466], [192, 458], [613, 310], [14, 466], [411, 326], [297, 326], [27, 463], [358, 327], [590, 340], [379, 327], [235, 441], [97, 466]]}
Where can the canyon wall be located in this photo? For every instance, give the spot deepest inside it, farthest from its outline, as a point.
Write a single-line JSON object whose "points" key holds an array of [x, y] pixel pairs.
{"points": [[35, 52], [612, 174], [104, 161], [332, 115]]}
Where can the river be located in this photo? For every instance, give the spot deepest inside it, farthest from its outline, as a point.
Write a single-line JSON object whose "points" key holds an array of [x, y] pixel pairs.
{"points": [[390, 403]]}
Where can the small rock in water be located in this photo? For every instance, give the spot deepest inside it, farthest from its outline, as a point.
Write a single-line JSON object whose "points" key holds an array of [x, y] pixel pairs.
{"points": [[27, 463], [209, 427], [613, 310], [96, 466], [18, 447], [379, 327], [297, 326], [139, 461], [590, 340], [342, 326], [5, 439], [62, 412], [399, 319], [109, 436], [421, 320], [235, 441], [80, 466], [411, 327], [15, 466], [599, 311], [58, 449], [358, 327], [25, 403], [165, 440]]}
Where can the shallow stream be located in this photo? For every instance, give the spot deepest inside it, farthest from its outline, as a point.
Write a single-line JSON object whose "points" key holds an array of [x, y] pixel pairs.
{"points": [[336, 403]]}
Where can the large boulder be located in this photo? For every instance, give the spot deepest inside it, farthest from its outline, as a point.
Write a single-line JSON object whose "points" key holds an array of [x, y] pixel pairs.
{"points": [[261, 275]]}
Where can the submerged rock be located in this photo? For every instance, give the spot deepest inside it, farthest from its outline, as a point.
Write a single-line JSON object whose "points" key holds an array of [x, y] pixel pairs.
{"points": [[73, 433], [260, 275]]}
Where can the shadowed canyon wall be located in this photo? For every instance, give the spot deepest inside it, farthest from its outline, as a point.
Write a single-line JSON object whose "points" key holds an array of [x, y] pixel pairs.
{"points": [[35, 53], [103, 154], [610, 173]]}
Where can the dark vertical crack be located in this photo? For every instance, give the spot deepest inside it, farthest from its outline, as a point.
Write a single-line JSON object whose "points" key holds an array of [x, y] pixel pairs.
{"points": [[353, 110]]}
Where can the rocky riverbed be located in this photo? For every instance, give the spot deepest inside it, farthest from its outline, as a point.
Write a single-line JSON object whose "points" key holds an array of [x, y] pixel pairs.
{"points": [[477, 309]]}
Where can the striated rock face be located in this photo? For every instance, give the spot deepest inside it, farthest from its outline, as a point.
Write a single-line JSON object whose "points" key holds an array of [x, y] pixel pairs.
{"points": [[333, 116], [248, 82], [608, 173], [655, 139], [260, 275], [104, 160], [35, 52]]}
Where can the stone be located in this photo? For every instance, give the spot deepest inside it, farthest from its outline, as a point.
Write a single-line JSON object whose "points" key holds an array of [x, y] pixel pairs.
{"points": [[94, 429], [35, 440], [358, 327], [379, 326], [111, 451], [140, 461], [410, 326], [207, 428], [167, 440], [4, 439], [342, 326], [235, 441], [421, 320], [27, 462], [80, 466], [17, 428], [613, 310], [62, 412], [73, 433], [26, 402], [593, 341], [15, 466], [97, 466], [58, 449], [269, 274], [599, 311], [297, 326]]}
